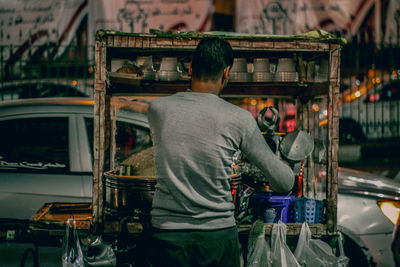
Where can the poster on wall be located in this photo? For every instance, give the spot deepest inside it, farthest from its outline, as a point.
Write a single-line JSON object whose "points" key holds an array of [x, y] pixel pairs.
{"points": [[299, 16], [140, 16], [46, 28], [25, 24], [58, 20], [343, 16], [274, 17], [392, 23]]}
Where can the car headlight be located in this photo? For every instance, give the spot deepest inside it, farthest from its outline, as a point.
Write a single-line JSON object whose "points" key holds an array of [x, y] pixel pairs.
{"points": [[390, 208]]}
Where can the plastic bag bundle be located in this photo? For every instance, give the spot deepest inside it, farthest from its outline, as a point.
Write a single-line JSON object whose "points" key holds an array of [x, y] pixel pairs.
{"points": [[259, 254], [280, 252], [71, 255], [315, 252], [99, 254]]}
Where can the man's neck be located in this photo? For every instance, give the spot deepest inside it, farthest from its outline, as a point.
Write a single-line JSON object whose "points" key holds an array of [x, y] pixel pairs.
{"points": [[206, 87]]}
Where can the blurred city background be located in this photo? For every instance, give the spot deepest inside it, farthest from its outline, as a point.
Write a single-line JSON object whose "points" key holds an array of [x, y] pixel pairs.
{"points": [[47, 50]]}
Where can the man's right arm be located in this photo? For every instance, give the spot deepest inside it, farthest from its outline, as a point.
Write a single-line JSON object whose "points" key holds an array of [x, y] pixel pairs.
{"points": [[279, 175]]}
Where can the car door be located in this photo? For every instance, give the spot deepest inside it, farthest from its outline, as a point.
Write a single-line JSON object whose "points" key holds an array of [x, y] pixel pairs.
{"points": [[39, 163]]}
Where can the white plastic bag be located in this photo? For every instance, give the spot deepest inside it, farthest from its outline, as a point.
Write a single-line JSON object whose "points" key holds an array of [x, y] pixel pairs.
{"points": [[315, 252], [72, 255], [99, 253], [281, 254], [258, 254]]}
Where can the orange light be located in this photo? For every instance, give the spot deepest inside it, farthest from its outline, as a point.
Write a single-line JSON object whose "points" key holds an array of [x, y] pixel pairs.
{"points": [[253, 102], [261, 106], [90, 69], [390, 208], [74, 83], [371, 73], [270, 102], [323, 122]]}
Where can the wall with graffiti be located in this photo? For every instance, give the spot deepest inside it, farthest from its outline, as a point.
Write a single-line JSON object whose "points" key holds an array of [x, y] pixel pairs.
{"points": [[345, 17], [37, 31]]}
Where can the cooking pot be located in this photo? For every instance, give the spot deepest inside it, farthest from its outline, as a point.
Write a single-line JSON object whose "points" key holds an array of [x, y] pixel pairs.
{"points": [[126, 195]]}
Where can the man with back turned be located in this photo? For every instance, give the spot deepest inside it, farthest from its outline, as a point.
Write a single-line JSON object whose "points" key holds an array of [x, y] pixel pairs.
{"points": [[196, 134]]}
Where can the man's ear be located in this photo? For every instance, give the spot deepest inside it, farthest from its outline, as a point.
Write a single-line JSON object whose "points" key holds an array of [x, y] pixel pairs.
{"points": [[190, 68], [225, 74]]}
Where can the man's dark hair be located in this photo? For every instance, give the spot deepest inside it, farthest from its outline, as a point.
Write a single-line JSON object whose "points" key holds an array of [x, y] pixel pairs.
{"points": [[211, 57]]}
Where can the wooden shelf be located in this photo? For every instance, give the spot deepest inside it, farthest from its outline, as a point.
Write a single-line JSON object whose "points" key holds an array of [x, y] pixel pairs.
{"points": [[293, 229], [129, 84]]}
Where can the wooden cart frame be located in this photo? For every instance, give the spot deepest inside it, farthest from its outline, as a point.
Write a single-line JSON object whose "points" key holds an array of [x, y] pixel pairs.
{"points": [[110, 44]]}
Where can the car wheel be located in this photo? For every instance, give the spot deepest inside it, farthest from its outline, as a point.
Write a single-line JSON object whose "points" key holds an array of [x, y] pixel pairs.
{"points": [[350, 132], [355, 254]]}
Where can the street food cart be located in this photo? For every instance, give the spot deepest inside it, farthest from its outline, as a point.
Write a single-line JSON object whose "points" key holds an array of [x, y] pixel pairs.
{"points": [[304, 69], [312, 88]]}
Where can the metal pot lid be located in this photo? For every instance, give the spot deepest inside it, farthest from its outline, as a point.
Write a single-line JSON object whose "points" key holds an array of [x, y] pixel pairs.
{"points": [[296, 145]]}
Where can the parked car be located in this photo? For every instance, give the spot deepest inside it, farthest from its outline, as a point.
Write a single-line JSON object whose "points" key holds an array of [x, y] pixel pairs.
{"points": [[46, 151], [375, 115], [365, 204], [46, 156]]}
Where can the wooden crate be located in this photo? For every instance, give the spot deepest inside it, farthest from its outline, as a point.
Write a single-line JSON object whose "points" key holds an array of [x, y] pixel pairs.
{"points": [[306, 49]]}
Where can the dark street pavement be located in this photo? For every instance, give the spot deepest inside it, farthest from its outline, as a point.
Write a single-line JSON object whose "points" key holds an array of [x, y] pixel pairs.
{"points": [[11, 255]]}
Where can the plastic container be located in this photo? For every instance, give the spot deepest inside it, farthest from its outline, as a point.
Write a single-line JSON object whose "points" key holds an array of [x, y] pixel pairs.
{"points": [[281, 204], [308, 210], [269, 215]]}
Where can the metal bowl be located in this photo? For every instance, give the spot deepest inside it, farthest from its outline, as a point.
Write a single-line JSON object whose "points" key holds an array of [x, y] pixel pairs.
{"points": [[296, 145], [240, 77], [168, 76], [262, 76], [286, 76]]}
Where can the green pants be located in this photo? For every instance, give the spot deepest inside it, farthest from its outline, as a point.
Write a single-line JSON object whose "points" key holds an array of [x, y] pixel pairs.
{"points": [[195, 248]]}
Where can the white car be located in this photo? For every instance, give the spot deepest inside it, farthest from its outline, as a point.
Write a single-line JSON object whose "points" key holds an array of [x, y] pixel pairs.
{"points": [[45, 150], [365, 204]]}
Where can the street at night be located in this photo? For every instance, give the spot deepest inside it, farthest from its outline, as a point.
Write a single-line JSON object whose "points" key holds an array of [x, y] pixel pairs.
{"points": [[199, 133]]}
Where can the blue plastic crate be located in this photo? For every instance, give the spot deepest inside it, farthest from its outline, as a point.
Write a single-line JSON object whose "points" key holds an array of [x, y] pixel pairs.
{"points": [[308, 210], [281, 204]]}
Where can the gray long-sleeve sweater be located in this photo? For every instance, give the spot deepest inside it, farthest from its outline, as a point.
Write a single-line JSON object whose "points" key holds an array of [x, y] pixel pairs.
{"points": [[195, 137]]}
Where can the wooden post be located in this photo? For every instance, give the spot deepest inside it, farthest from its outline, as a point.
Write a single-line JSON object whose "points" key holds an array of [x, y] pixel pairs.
{"points": [[101, 116], [333, 135]]}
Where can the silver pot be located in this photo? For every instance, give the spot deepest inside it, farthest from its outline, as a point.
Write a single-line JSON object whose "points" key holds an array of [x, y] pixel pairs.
{"points": [[126, 194]]}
